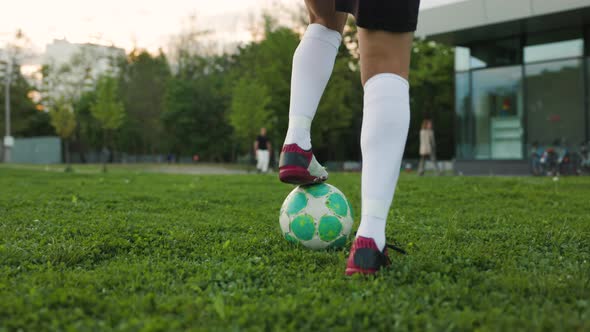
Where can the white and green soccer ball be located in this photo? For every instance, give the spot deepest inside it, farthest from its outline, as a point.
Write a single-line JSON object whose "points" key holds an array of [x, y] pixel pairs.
{"points": [[317, 216]]}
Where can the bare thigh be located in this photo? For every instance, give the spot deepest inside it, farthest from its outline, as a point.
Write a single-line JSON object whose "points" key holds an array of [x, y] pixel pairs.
{"points": [[323, 12], [384, 52]]}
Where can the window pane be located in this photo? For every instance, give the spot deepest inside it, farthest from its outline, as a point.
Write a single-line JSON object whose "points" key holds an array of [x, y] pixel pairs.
{"points": [[587, 131], [462, 107], [497, 110], [496, 53], [555, 50], [553, 45], [555, 98], [462, 58]]}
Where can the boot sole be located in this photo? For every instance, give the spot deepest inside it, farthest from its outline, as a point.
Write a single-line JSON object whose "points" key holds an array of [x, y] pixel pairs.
{"points": [[298, 176]]}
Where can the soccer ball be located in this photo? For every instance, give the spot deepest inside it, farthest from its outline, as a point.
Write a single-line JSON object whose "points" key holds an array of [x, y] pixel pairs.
{"points": [[317, 216]]}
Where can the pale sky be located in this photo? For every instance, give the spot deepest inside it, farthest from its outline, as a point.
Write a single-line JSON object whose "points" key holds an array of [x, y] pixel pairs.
{"points": [[125, 23]]}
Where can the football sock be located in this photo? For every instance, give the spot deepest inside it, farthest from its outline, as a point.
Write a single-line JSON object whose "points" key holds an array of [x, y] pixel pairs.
{"points": [[313, 62], [386, 119]]}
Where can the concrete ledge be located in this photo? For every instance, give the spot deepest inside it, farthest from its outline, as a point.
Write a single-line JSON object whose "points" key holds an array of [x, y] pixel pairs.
{"points": [[470, 14]]}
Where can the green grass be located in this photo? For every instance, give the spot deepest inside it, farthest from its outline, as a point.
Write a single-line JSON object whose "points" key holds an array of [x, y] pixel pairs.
{"points": [[133, 251]]}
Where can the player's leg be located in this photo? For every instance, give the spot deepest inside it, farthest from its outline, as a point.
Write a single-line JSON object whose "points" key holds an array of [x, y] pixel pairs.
{"points": [[385, 60], [313, 62], [265, 160], [384, 52], [435, 163], [258, 160], [421, 165]]}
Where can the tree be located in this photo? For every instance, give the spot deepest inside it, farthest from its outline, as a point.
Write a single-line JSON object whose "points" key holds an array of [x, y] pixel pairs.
{"points": [[28, 118], [195, 117], [75, 82], [334, 115], [63, 119], [143, 83], [268, 63], [13, 54], [107, 109], [249, 110], [88, 135], [432, 96]]}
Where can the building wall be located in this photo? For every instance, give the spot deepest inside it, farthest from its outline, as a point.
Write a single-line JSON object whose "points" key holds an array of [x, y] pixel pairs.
{"points": [[523, 95], [61, 51], [87, 62], [469, 14]]}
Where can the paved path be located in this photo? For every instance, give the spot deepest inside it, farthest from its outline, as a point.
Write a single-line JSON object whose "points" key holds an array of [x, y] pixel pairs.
{"points": [[169, 169], [144, 168]]}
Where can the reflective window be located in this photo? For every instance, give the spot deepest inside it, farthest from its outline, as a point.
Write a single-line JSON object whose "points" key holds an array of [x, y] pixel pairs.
{"points": [[555, 50], [496, 53], [553, 45], [462, 58], [588, 109], [462, 111], [497, 107], [555, 99]]}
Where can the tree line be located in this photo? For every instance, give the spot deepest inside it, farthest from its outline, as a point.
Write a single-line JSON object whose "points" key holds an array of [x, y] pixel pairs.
{"points": [[191, 101]]}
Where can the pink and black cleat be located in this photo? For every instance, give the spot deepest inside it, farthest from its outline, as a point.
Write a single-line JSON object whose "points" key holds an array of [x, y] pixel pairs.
{"points": [[366, 258], [299, 167]]}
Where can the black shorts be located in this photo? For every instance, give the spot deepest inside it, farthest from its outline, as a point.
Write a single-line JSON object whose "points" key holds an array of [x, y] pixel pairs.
{"points": [[388, 15]]}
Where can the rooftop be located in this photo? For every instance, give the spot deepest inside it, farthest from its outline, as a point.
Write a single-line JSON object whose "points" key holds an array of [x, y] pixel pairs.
{"points": [[470, 20]]}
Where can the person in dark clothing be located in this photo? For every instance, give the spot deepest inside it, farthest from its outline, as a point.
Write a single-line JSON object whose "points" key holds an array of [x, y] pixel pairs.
{"points": [[262, 150]]}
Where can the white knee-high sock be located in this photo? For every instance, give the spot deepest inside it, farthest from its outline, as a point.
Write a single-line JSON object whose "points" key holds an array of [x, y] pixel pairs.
{"points": [[386, 120], [313, 62]]}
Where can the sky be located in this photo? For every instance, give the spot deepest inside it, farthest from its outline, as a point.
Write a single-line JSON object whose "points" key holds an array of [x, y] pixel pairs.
{"points": [[147, 24]]}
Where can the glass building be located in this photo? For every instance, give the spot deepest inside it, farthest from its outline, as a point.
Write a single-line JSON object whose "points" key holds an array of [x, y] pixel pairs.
{"points": [[522, 78]]}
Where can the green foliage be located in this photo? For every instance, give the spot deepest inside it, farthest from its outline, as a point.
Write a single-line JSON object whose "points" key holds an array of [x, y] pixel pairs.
{"points": [[89, 133], [268, 63], [195, 112], [26, 119], [432, 95], [214, 105], [63, 118], [249, 109], [143, 83], [107, 108], [136, 251], [334, 117]]}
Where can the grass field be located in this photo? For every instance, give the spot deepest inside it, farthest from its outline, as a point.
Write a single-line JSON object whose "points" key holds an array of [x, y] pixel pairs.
{"points": [[133, 251]]}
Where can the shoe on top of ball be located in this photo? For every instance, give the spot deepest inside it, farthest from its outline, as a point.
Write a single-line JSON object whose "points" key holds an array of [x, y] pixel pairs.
{"points": [[299, 167]]}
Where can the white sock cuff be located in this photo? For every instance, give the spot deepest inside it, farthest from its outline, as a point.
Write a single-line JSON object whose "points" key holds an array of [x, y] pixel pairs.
{"points": [[322, 33], [386, 76], [375, 208], [301, 122], [386, 85]]}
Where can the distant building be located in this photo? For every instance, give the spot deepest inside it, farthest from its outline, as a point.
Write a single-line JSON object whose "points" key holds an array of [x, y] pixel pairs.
{"points": [[521, 77], [86, 62], [60, 52]]}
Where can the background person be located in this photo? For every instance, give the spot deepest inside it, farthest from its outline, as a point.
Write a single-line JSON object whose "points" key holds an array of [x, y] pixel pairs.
{"points": [[427, 146], [262, 150]]}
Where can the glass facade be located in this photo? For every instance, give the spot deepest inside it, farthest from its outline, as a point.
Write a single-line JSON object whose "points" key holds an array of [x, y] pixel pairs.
{"points": [[497, 105], [555, 50], [513, 93], [555, 103], [464, 148], [503, 52]]}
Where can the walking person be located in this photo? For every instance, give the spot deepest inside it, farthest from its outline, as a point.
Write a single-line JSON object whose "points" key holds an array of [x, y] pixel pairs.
{"points": [[385, 34], [262, 148], [427, 147]]}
